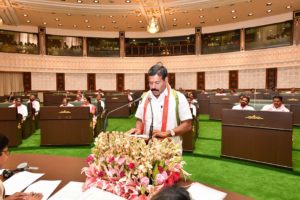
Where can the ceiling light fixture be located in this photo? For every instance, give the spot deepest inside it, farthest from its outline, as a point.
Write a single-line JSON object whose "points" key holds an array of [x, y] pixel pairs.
{"points": [[234, 17], [56, 19], [25, 15], [269, 4], [28, 21], [201, 16], [250, 14], [288, 6], [1, 21], [218, 20], [96, 1], [79, 1], [45, 23], [268, 11], [75, 26], [127, 1], [233, 11], [153, 26]]}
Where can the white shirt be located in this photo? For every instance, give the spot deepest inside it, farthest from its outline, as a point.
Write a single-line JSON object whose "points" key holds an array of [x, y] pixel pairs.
{"points": [[102, 104], [239, 107], [271, 107], [193, 109], [35, 105], [157, 106], [68, 105], [220, 94], [22, 109]]}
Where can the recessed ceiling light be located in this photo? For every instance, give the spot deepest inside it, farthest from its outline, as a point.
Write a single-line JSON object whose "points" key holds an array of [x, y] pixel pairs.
{"points": [[111, 16], [288, 6], [140, 14], [233, 11], [201, 9], [45, 23], [69, 14], [250, 14], [103, 27], [188, 23], [79, 1], [75, 26], [201, 16], [171, 13], [218, 20], [25, 15], [269, 4], [89, 26], [56, 19], [127, 1], [96, 1], [174, 25], [86, 21], [234, 17], [202, 22], [174, 19], [268, 11], [59, 24], [28, 21], [114, 22], [140, 21]]}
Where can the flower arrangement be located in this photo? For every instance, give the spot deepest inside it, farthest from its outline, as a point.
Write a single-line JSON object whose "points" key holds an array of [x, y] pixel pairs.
{"points": [[130, 168]]}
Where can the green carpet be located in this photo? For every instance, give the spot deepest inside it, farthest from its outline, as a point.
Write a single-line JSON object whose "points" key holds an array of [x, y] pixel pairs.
{"points": [[253, 180]]}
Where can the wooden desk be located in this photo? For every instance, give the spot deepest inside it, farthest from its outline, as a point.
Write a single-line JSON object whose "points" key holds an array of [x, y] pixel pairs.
{"points": [[115, 101], [66, 126], [69, 169], [218, 103], [10, 125], [203, 101], [294, 102], [260, 136]]}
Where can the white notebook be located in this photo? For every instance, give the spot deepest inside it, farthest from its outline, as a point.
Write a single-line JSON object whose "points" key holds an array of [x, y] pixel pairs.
{"points": [[199, 191]]}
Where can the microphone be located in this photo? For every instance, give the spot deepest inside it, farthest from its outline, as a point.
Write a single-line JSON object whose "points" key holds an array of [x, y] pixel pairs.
{"points": [[21, 167], [151, 126], [116, 109]]}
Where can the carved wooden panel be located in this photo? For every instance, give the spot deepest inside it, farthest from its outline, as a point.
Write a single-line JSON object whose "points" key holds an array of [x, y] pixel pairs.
{"points": [[200, 80], [271, 78], [171, 78], [233, 79], [27, 81], [60, 81], [146, 82], [91, 82], [120, 82]]}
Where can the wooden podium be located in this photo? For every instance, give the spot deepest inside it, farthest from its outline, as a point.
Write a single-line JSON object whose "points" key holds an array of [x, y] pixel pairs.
{"points": [[66, 126], [260, 136], [10, 125]]}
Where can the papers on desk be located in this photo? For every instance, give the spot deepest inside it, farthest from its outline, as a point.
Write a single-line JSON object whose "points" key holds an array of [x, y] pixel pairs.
{"points": [[73, 190], [20, 181], [140, 136], [44, 187], [199, 191]]}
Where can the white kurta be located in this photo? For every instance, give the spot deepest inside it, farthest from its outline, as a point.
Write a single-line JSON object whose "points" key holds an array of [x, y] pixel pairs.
{"points": [[157, 105], [239, 107], [271, 107]]}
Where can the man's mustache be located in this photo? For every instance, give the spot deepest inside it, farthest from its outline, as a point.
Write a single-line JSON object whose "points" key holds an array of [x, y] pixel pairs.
{"points": [[154, 90]]}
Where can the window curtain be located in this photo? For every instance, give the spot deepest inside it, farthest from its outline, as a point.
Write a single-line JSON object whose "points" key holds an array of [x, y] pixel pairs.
{"points": [[11, 82]]}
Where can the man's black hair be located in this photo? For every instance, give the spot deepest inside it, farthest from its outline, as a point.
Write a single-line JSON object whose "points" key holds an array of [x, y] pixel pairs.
{"points": [[278, 97], [3, 142], [172, 193], [158, 69]]}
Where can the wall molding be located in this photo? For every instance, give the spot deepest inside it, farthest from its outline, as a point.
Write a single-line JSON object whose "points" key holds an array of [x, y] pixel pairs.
{"points": [[256, 59]]}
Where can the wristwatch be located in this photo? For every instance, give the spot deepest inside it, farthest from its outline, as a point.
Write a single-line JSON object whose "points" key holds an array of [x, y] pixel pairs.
{"points": [[172, 133]]}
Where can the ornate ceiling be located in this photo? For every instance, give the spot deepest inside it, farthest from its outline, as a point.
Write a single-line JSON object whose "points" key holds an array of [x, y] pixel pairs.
{"points": [[134, 15]]}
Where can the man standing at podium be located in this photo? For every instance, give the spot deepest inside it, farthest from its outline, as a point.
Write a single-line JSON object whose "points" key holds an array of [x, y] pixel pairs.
{"points": [[164, 108]]}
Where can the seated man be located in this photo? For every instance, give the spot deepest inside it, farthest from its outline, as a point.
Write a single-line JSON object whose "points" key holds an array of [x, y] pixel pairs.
{"points": [[35, 104], [244, 101], [220, 92], [276, 106], [4, 153], [192, 107], [78, 98], [22, 109], [65, 103], [100, 104], [292, 91]]}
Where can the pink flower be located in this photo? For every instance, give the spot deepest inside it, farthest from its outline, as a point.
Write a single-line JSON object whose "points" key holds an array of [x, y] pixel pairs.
{"points": [[145, 181], [90, 159], [160, 169], [121, 161], [111, 159], [131, 165], [160, 178], [100, 174]]}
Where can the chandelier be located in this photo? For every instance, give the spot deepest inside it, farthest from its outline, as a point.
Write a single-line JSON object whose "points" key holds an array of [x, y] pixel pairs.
{"points": [[153, 26]]}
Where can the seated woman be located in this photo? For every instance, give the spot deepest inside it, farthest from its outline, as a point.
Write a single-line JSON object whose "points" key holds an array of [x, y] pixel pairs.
{"points": [[65, 103], [88, 103], [4, 153]]}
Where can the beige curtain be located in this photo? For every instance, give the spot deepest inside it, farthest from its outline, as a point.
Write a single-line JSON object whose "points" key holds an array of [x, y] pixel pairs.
{"points": [[11, 82]]}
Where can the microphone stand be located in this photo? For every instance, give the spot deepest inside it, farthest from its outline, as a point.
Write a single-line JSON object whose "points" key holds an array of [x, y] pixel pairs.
{"points": [[116, 109], [151, 126]]}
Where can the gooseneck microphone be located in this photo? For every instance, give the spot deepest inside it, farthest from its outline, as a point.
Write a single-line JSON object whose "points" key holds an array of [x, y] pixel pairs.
{"points": [[151, 126], [118, 108], [21, 167]]}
